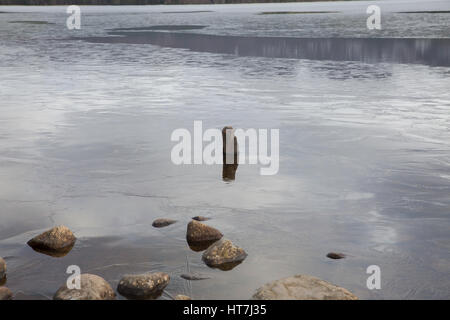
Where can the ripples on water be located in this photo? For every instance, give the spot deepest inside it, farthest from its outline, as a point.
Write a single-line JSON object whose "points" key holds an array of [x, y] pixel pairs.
{"points": [[85, 141]]}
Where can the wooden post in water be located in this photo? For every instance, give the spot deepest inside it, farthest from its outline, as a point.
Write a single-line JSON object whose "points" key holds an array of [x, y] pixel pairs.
{"points": [[230, 154]]}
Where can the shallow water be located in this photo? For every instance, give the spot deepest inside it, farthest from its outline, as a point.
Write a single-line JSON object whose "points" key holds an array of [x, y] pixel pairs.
{"points": [[364, 148]]}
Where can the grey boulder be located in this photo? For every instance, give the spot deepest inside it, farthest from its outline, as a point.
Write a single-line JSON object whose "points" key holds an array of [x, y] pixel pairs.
{"points": [[143, 286], [92, 288], [302, 287]]}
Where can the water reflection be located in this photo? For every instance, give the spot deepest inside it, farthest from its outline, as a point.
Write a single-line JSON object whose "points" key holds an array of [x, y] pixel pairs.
{"points": [[53, 253], [434, 52], [162, 27], [227, 266], [352, 70], [200, 246]]}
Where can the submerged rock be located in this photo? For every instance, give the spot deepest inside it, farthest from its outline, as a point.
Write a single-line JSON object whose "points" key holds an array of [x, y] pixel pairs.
{"points": [[143, 286], [194, 276], [182, 297], [199, 232], [2, 269], [92, 288], [159, 223], [5, 293], [201, 218], [57, 241], [334, 255], [200, 246], [224, 255], [302, 287]]}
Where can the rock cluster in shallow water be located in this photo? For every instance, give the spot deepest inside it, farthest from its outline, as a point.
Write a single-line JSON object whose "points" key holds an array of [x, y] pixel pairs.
{"points": [[219, 253]]}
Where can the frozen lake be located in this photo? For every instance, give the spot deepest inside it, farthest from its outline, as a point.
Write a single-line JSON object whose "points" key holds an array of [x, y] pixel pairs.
{"points": [[86, 117]]}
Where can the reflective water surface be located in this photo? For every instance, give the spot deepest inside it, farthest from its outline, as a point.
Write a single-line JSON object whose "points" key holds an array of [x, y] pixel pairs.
{"points": [[364, 146]]}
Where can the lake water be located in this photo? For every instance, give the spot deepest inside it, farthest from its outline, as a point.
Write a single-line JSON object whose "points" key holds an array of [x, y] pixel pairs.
{"points": [[86, 117]]}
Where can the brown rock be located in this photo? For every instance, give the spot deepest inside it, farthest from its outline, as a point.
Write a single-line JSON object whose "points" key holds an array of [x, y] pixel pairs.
{"points": [[182, 297], [2, 269], [200, 236], [302, 287], [334, 255], [5, 293], [55, 242], [159, 223], [224, 255], [198, 232], [143, 286], [201, 218], [92, 288]]}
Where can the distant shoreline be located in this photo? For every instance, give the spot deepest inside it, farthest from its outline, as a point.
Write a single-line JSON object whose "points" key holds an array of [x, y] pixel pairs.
{"points": [[142, 2]]}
